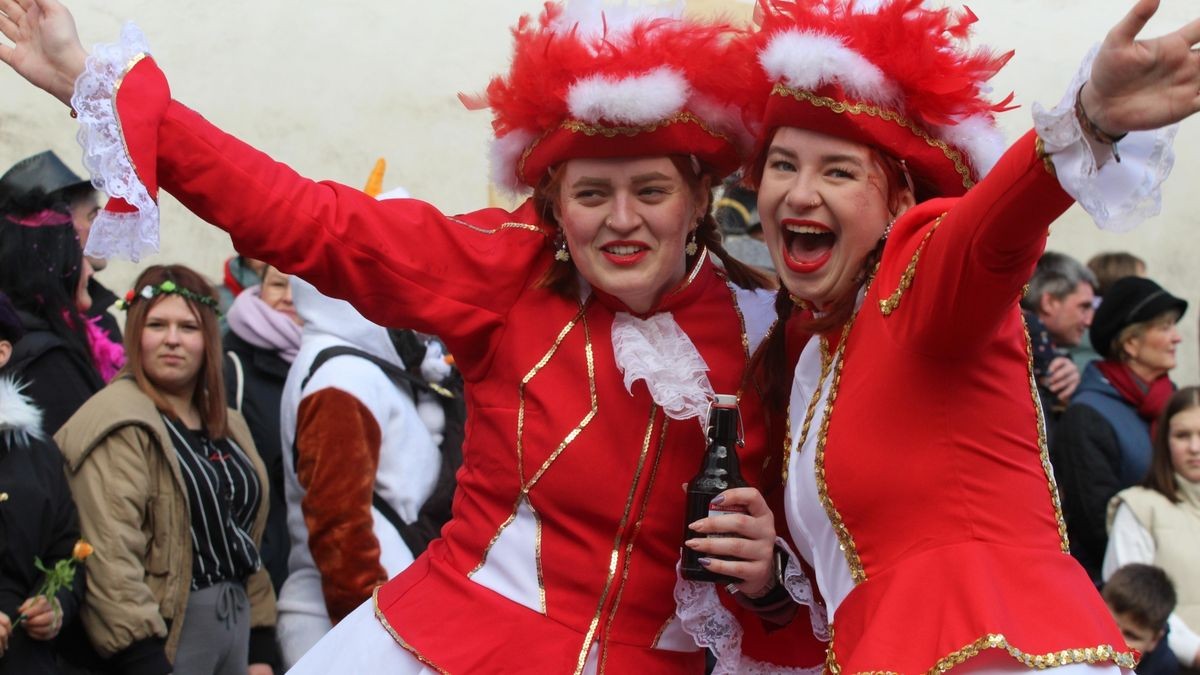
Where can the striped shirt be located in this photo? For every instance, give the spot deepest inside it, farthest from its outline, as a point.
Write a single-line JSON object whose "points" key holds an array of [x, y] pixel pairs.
{"points": [[223, 498]]}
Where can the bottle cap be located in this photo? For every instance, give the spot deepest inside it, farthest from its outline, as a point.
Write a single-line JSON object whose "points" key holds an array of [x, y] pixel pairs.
{"points": [[725, 400]]}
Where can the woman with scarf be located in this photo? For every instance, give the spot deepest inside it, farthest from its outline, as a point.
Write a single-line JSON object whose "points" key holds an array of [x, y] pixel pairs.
{"points": [[918, 483], [262, 340], [1103, 441], [591, 325]]}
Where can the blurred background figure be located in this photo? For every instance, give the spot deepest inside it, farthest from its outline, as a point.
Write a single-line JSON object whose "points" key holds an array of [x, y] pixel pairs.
{"points": [[1102, 443], [1158, 522], [737, 216], [1107, 268], [172, 491], [238, 274], [63, 357], [42, 182], [1113, 265], [1058, 307], [38, 520], [360, 465], [1141, 598], [261, 342]]}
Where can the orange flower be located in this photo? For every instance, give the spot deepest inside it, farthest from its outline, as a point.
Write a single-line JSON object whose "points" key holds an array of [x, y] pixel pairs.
{"points": [[82, 550]]}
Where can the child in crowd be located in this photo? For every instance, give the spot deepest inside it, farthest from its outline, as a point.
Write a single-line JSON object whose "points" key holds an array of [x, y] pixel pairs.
{"points": [[1141, 598]]}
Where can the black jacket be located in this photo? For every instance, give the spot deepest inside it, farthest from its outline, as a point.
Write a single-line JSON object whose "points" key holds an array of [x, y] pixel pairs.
{"points": [[37, 520], [102, 299], [59, 376], [263, 373]]}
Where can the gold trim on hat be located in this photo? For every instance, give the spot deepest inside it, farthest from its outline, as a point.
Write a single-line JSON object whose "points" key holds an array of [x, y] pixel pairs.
{"points": [[581, 127], [841, 107]]}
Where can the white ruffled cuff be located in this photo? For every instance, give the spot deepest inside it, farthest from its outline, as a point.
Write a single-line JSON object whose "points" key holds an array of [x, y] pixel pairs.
{"points": [[714, 627], [657, 351], [799, 586], [113, 235], [1118, 195]]}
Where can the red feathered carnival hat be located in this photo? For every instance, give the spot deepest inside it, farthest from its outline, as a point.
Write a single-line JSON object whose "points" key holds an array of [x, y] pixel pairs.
{"points": [[892, 74], [624, 81]]}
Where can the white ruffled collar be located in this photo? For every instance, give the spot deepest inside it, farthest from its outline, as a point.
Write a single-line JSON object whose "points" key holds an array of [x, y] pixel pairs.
{"points": [[658, 352]]}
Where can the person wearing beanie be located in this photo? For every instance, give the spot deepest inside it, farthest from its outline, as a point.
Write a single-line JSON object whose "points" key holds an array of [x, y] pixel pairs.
{"points": [[1103, 441], [918, 480], [592, 325]]}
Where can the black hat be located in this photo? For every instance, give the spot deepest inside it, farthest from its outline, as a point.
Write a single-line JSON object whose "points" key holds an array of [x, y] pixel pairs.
{"points": [[1130, 300], [10, 324], [43, 172]]}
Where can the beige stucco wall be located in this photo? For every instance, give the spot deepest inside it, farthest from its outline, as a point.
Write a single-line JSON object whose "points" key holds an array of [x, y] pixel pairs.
{"points": [[329, 87]]}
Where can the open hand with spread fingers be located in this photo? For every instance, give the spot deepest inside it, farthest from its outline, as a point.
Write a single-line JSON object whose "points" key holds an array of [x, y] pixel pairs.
{"points": [[45, 47], [749, 539], [1143, 84]]}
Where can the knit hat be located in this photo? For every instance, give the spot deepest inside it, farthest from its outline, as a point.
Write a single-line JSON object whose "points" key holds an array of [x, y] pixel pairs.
{"points": [[623, 81], [1130, 300], [11, 328], [891, 74]]}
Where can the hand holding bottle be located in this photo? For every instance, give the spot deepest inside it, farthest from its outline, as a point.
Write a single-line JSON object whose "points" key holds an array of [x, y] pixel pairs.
{"points": [[748, 541]]}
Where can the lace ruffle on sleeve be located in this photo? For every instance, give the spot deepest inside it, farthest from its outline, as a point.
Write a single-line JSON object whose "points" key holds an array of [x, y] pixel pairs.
{"points": [[115, 234], [714, 627], [1117, 195]]}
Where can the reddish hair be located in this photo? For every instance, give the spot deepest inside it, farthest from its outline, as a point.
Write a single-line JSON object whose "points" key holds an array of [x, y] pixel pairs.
{"points": [[209, 393], [770, 365]]}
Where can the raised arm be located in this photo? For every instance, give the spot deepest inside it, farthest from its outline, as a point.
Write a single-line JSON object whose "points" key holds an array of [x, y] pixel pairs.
{"points": [[1143, 84], [400, 262], [45, 46], [984, 249]]}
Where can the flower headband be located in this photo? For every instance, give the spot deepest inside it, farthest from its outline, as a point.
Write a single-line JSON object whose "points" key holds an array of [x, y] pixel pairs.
{"points": [[167, 287]]}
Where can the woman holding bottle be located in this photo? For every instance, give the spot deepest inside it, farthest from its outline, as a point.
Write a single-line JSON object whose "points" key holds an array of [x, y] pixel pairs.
{"points": [[591, 325]]}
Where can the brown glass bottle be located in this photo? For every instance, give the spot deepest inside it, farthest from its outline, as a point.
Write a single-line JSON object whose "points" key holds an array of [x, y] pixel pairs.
{"points": [[719, 471]]}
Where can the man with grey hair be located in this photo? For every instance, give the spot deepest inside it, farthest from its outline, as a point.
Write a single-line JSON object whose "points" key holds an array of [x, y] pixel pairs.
{"points": [[1058, 308]]}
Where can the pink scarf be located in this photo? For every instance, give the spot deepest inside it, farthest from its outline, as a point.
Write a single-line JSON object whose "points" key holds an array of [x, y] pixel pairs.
{"points": [[108, 356], [254, 321]]}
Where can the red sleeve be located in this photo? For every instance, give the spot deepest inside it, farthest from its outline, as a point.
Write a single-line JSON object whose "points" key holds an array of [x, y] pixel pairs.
{"points": [[968, 266], [400, 262], [337, 456]]}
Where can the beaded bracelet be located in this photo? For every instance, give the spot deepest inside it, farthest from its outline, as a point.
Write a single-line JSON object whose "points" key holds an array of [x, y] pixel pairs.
{"points": [[1090, 128]]}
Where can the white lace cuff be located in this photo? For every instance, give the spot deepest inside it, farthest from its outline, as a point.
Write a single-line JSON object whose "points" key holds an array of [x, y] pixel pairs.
{"points": [[114, 234], [799, 586], [714, 627], [1118, 195], [657, 351]]}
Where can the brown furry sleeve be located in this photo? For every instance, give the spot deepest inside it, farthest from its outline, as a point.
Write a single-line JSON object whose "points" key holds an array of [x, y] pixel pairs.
{"points": [[337, 444]]}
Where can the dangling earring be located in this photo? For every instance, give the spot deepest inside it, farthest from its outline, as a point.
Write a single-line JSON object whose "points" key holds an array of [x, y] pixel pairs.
{"points": [[692, 246], [561, 254]]}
